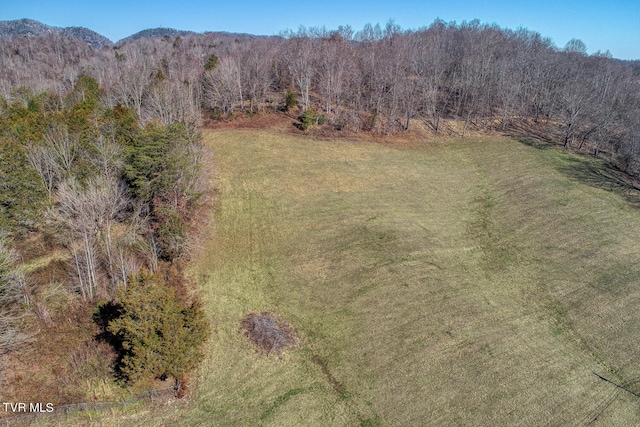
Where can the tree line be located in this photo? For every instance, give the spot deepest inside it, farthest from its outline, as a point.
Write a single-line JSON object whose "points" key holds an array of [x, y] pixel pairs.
{"points": [[381, 79], [117, 196]]}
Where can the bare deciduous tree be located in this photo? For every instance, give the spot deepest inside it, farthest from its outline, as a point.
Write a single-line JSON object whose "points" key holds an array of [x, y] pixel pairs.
{"points": [[223, 86], [255, 72], [88, 213], [54, 157], [300, 51], [12, 296], [172, 102]]}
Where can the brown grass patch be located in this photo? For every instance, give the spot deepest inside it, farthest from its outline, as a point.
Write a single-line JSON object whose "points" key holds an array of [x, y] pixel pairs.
{"points": [[61, 361], [268, 333], [273, 120]]}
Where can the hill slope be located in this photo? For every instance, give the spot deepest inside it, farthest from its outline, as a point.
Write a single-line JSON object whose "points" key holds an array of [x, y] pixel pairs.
{"points": [[156, 33], [29, 27]]}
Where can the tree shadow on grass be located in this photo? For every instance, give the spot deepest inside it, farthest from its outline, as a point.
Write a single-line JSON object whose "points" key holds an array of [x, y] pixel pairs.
{"points": [[102, 316], [104, 313], [534, 142], [598, 174], [591, 171]]}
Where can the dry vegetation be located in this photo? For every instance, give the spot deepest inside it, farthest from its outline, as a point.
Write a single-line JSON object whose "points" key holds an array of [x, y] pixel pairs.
{"points": [[269, 334]]}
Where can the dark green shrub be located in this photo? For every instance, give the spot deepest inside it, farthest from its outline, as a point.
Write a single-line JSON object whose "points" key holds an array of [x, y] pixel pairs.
{"points": [[212, 62], [155, 334], [291, 99], [161, 159], [308, 118]]}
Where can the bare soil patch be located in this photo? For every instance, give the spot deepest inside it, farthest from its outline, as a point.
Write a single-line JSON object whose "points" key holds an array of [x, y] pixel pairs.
{"points": [[272, 120]]}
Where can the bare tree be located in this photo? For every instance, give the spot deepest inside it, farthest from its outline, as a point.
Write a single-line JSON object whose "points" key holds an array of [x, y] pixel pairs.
{"points": [[172, 102], [332, 69], [88, 213], [133, 83], [12, 296], [255, 70], [223, 86], [107, 158], [300, 62], [575, 97], [54, 157], [44, 163]]}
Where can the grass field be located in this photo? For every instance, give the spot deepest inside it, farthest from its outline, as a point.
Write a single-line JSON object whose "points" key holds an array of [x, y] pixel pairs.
{"points": [[473, 283]]}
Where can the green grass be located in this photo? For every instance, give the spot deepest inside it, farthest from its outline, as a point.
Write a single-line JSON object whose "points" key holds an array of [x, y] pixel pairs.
{"points": [[43, 261], [465, 283]]}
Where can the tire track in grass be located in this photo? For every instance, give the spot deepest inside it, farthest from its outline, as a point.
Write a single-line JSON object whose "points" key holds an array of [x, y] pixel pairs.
{"points": [[593, 415], [281, 400]]}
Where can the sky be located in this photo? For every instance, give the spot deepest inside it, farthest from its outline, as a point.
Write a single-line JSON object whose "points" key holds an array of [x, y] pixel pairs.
{"points": [[612, 25]]}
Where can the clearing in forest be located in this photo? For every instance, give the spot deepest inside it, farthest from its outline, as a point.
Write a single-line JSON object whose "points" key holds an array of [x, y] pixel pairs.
{"points": [[479, 282]]}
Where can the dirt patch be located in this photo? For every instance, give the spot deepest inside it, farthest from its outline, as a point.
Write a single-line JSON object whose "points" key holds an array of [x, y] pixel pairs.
{"points": [[268, 333], [272, 120]]}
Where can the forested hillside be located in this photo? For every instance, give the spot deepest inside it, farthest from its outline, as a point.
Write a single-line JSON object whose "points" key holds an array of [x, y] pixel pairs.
{"points": [[91, 200], [29, 27], [102, 168], [379, 79]]}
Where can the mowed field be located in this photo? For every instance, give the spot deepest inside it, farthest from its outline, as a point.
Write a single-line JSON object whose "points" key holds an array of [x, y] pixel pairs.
{"points": [[483, 282]]}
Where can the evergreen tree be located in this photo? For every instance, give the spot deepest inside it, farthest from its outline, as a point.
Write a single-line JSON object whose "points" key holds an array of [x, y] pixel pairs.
{"points": [[212, 62], [22, 197], [161, 168], [158, 336], [160, 159]]}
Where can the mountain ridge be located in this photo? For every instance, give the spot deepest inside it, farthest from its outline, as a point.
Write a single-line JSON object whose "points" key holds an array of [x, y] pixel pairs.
{"points": [[158, 32], [33, 28]]}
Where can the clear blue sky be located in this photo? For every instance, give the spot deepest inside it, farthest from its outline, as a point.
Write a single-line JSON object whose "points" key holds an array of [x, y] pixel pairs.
{"points": [[612, 25]]}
